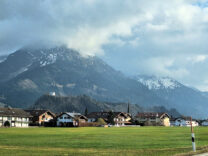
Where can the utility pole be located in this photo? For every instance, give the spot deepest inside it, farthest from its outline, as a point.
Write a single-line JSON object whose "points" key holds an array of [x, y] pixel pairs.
{"points": [[193, 137]]}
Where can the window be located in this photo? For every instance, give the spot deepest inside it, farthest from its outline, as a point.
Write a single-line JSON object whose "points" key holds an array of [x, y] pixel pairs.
{"points": [[43, 117]]}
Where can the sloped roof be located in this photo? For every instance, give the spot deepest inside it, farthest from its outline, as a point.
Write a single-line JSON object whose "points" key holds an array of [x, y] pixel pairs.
{"points": [[187, 118], [105, 114], [39, 112], [13, 112], [74, 115], [152, 115], [98, 115]]}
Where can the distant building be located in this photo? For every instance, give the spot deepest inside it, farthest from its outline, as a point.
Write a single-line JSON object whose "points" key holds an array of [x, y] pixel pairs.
{"points": [[185, 121], [204, 123], [121, 118], [152, 118], [14, 117], [118, 118], [68, 119], [41, 117], [172, 121], [94, 116]]}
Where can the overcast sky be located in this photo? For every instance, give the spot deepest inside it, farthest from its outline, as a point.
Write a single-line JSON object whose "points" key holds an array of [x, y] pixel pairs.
{"points": [[154, 37]]}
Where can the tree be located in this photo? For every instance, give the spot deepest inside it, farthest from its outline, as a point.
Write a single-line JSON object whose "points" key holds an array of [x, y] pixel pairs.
{"points": [[128, 109], [86, 111], [7, 124], [111, 118], [100, 121]]}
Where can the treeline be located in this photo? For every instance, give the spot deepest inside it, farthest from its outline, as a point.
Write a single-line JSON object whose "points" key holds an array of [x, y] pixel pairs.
{"points": [[83, 102]]}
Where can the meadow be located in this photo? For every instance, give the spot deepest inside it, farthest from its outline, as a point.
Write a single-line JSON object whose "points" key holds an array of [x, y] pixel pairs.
{"points": [[122, 141]]}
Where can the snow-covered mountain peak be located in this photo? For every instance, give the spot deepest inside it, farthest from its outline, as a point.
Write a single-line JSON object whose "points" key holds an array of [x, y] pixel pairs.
{"points": [[47, 56], [48, 59], [156, 83]]}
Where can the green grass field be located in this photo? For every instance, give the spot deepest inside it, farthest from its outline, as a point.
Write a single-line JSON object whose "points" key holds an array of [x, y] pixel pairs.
{"points": [[129, 141]]}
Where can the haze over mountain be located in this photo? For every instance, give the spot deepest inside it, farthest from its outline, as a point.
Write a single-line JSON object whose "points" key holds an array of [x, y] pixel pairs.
{"points": [[29, 73], [80, 103]]}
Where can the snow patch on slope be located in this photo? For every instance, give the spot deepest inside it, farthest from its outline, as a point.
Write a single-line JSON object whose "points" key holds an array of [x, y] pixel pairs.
{"points": [[49, 59], [159, 83]]}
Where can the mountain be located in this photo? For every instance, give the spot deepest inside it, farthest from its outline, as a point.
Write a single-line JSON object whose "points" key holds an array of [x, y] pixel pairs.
{"points": [[186, 100], [2, 58], [158, 83], [29, 73], [81, 102]]}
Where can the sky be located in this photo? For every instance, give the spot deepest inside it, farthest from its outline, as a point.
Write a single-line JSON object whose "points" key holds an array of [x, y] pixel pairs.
{"points": [[155, 37]]}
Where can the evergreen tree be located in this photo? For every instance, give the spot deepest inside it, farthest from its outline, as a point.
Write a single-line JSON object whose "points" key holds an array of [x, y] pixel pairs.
{"points": [[128, 109], [86, 111], [111, 117]]}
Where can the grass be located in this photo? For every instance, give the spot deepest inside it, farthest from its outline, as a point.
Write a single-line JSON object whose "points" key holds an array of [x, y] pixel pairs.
{"points": [[123, 141]]}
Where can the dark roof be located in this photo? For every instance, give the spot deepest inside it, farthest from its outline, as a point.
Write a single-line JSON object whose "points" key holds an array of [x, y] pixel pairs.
{"points": [[74, 115], [187, 118], [39, 112], [13, 112], [98, 115], [152, 115], [105, 114]]}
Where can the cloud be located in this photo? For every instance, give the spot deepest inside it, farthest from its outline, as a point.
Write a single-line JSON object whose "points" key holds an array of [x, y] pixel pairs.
{"points": [[197, 59], [83, 25], [167, 38]]}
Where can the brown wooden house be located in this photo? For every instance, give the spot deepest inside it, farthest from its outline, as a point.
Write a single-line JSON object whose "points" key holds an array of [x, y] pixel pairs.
{"points": [[41, 117]]}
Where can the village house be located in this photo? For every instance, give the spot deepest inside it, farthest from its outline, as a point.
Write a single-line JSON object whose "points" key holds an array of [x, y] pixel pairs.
{"points": [[117, 118], [41, 117], [185, 121], [94, 116], [68, 119], [14, 117], [204, 123], [172, 121], [121, 118], [153, 119]]}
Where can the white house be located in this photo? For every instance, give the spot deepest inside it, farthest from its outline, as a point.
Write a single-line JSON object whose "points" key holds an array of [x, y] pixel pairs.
{"points": [[204, 123], [185, 121], [13, 117], [68, 119]]}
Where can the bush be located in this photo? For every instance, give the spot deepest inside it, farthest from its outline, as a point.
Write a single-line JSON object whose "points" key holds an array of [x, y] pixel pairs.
{"points": [[100, 121]]}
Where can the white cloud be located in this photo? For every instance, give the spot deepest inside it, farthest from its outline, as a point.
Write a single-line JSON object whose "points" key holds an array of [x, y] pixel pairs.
{"points": [[158, 37], [197, 59]]}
